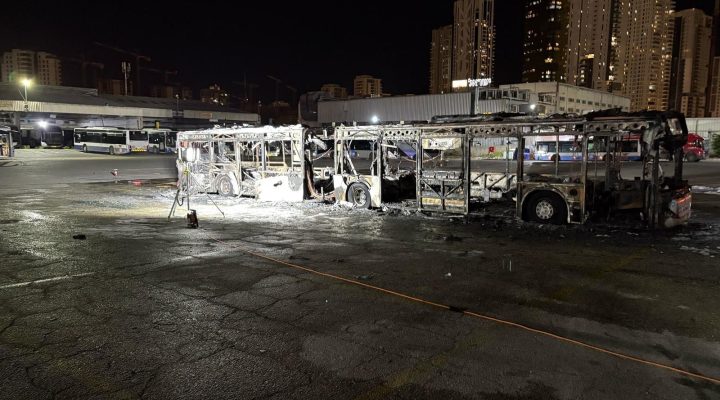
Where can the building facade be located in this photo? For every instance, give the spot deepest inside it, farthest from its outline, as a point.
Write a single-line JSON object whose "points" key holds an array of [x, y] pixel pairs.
{"points": [[334, 90], [18, 64], [562, 98], [44, 68], [115, 87], [367, 86], [473, 40], [714, 104], [441, 49], [214, 94], [641, 54], [545, 40], [691, 62], [49, 69], [589, 44]]}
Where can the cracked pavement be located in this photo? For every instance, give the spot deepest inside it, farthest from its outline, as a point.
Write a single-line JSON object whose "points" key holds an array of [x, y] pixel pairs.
{"points": [[146, 308]]}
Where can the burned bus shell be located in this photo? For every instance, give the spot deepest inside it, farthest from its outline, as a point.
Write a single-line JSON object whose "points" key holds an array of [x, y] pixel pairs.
{"points": [[267, 163], [455, 166], [452, 179]]}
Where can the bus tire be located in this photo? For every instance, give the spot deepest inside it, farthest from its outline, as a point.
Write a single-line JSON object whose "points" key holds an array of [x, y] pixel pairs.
{"points": [[84, 149], [692, 157], [359, 196], [555, 157], [224, 186], [546, 208], [111, 150]]}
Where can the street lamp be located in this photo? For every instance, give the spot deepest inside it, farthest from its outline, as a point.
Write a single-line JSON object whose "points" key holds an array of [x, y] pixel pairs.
{"points": [[26, 83]]}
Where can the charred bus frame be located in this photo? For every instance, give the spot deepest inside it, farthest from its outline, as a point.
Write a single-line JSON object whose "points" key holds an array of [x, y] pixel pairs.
{"points": [[268, 163], [435, 166], [542, 197]]}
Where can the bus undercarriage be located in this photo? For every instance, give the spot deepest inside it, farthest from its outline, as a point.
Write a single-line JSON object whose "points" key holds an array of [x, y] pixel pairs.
{"points": [[446, 167]]}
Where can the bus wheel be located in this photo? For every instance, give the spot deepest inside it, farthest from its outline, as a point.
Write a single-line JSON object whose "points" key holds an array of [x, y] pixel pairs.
{"points": [[546, 208], [112, 151], [554, 158], [84, 148], [224, 186], [692, 157], [359, 195]]}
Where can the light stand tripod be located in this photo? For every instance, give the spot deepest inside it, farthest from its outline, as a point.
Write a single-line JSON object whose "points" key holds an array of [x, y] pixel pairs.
{"points": [[183, 195]]}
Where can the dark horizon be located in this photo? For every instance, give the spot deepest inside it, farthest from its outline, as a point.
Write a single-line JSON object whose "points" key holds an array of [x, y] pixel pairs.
{"points": [[305, 45]]}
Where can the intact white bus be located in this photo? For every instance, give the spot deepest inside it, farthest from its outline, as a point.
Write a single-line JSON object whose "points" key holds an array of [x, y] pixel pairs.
{"points": [[161, 141], [102, 140], [138, 140]]}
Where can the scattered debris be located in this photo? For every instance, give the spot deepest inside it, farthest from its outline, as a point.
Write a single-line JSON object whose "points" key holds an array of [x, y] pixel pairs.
{"points": [[115, 172], [192, 219], [79, 237], [448, 275], [363, 277], [452, 238], [703, 252], [602, 236]]}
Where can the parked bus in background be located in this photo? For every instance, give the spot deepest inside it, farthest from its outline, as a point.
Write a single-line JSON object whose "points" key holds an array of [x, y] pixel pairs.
{"points": [[43, 134], [138, 140], [7, 142], [549, 148], [14, 133], [161, 140], [102, 140], [50, 135]]}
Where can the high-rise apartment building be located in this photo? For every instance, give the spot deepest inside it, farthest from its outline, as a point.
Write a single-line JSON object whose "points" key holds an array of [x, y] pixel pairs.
{"points": [[367, 86], [588, 47], [441, 50], [334, 90], [690, 62], [714, 104], [641, 54], [545, 41], [49, 69], [474, 40], [18, 64]]}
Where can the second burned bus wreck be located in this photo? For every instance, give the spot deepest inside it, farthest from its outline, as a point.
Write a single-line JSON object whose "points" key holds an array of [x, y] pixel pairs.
{"points": [[454, 165]]}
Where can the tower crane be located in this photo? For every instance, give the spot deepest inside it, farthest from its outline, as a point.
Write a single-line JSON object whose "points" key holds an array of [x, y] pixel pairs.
{"points": [[138, 57]]}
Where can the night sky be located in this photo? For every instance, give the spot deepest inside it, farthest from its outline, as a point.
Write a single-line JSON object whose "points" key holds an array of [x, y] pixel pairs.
{"points": [[304, 43]]}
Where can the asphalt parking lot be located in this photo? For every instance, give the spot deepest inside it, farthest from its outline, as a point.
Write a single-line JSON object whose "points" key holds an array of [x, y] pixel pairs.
{"points": [[102, 297]]}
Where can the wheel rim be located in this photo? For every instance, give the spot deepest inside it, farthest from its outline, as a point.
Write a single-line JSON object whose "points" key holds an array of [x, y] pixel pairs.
{"points": [[112, 150], [359, 196], [224, 187], [544, 210]]}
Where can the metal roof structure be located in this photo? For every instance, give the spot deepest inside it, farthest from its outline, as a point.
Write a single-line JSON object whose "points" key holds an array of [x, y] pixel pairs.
{"points": [[83, 101]]}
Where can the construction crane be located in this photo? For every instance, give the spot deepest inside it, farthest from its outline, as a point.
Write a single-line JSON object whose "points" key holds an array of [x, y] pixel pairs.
{"points": [[138, 58]]}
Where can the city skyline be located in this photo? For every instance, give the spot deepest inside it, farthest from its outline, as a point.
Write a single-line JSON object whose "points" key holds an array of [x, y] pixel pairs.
{"points": [[391, 43]]}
